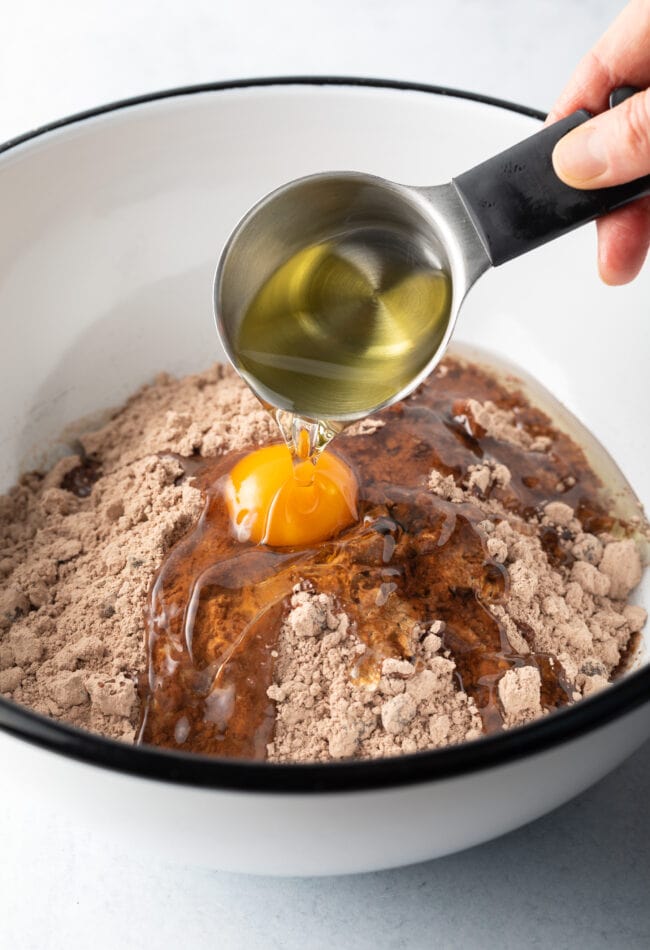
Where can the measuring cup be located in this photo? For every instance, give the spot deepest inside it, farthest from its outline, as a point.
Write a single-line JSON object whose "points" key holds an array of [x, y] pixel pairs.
{"points": [[502, 208]]}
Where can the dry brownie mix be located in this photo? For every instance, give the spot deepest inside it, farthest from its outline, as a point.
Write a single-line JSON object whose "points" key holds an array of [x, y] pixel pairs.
{"points": [[81, 545]]}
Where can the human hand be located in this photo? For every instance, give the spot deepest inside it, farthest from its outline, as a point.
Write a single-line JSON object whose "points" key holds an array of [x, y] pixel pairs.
{"points": [[614, 146]]}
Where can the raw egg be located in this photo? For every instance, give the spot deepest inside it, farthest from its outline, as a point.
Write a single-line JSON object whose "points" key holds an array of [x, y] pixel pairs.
{"points": [[273, 501]]}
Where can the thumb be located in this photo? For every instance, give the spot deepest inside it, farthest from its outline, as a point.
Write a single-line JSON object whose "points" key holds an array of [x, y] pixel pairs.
{"points": [[610, 149]]}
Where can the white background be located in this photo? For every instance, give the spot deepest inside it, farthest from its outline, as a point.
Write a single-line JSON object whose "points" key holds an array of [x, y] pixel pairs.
{"points": [[577, 878], [62, 56]]}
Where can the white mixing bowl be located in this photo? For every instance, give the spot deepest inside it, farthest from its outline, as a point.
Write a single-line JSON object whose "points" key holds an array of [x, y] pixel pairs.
{"points": [[112, 223]]}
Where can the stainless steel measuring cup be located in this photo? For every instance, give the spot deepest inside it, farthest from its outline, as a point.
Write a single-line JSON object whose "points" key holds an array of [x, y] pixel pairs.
{"points": [[502, 208]]}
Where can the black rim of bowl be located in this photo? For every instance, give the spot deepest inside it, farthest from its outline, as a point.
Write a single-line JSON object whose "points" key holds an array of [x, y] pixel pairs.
{"points": [[200, 771]]}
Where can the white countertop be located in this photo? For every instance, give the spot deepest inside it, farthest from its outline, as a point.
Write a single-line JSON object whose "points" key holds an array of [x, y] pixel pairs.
{"points": [[577, 878]]}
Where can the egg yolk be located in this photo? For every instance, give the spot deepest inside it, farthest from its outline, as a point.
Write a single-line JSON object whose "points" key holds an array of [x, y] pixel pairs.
{"points": [[272, 501]]}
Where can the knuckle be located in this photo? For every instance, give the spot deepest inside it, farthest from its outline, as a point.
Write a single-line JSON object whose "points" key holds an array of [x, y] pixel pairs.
{"points": [[636, 134], [597, 71]]}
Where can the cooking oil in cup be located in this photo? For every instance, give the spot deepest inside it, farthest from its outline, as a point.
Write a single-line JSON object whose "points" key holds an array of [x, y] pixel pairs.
{"points": [[343, 326]]}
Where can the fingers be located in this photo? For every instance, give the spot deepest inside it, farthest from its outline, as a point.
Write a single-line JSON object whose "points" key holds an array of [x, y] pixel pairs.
{"points": [[623, 241], [610, 149], [614, 147], [619, 58], [588, 88]]}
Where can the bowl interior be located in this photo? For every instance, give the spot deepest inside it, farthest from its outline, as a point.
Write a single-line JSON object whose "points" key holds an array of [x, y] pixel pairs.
{"points": [[112, 227]]}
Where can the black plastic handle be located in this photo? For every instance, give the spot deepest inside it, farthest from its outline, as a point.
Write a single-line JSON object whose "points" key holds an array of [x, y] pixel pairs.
{"points": [[517, 202]]}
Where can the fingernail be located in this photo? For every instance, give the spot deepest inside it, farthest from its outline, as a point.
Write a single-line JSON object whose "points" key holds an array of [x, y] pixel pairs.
{"points": [[580, 156]]}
